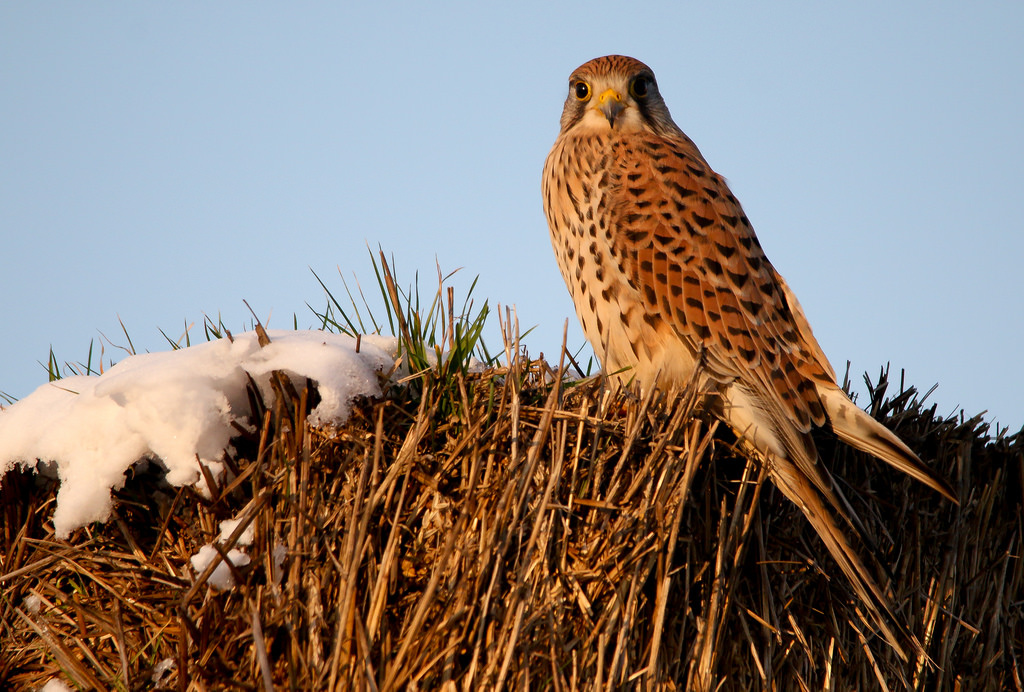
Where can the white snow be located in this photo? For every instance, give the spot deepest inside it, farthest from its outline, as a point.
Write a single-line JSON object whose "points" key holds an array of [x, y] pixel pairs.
{"points": [[162, 670], [33, 603], [227, 527], [176, 407], [221, 578]]}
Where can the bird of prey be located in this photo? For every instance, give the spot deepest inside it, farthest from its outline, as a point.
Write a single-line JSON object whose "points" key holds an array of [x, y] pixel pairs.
{"points": [[667, 277]]}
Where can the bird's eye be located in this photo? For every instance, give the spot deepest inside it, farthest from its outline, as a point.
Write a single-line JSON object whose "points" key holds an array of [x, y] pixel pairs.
{"points": [[581, 90], [638, 87]]}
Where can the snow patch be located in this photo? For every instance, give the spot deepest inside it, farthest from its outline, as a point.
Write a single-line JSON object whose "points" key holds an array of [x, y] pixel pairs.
{"points": [[33, 603], [162, 672], [221, 578], [228, 526], [176, 407]]}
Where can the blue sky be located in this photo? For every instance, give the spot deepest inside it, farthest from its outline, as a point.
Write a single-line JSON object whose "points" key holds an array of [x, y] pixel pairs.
{"points": [[164, 161]]}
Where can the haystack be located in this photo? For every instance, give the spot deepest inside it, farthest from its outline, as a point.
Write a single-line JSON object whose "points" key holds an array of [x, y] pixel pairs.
{"points": [[511, 529]]}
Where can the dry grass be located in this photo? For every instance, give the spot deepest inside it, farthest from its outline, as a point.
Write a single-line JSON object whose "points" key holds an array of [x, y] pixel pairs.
{"points": [[493, 531]]}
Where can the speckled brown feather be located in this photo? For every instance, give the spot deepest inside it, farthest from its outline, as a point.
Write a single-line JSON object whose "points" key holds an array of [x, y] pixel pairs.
{"points": [[694, 256], [666, 272]]}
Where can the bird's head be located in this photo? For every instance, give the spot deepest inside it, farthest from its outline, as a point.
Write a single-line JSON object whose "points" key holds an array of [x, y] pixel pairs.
{"points": [[616, 93]]}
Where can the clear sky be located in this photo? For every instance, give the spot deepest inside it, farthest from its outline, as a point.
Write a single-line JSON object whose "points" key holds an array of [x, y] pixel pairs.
{"points": [[164, 161]]}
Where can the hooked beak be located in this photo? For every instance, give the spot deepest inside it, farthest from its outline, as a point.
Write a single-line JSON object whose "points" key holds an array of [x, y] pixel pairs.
{"points": [[610, 104]]}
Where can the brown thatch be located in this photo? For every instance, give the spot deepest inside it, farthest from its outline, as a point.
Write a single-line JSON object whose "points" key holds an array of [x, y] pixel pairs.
{"points": [[494, 532]]}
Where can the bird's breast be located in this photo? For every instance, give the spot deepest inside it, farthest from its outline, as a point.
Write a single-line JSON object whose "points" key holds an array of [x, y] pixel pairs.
{"points": [[581, 201]]}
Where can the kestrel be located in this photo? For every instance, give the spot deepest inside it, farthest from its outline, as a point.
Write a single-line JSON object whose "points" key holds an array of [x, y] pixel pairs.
{"points": [[666, 273]]}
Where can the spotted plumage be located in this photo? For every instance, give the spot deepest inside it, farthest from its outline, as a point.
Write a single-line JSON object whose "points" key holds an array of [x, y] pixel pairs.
{"points": [[666, 273]]}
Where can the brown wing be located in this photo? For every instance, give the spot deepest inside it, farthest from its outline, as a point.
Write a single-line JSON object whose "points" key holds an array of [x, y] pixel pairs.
{"points": [[692, 254], [803, 327]]}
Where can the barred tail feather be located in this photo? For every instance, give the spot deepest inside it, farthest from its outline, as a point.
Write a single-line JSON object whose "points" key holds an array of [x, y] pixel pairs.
{"points": [[858, 429]]}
